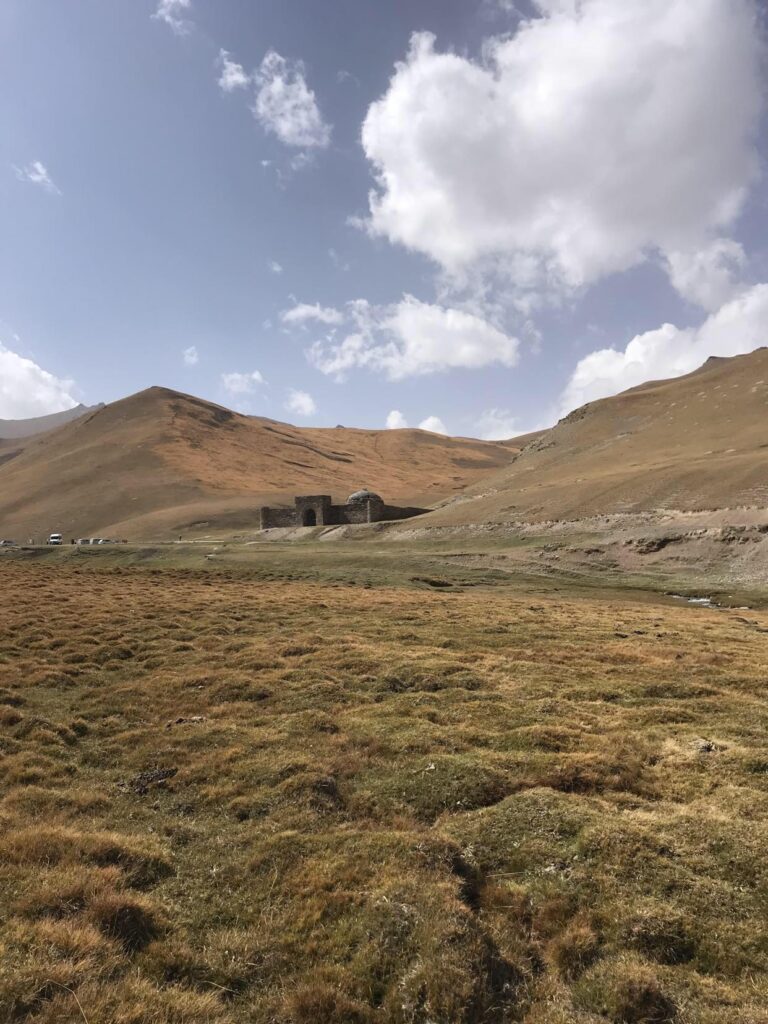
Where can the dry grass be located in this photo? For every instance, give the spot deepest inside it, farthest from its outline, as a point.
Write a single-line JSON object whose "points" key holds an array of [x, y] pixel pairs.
{"points": [[227, 800]]}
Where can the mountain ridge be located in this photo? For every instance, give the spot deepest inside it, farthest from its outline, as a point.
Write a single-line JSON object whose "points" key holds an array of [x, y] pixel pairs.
{"points": [[695, 442], [13, 430]]}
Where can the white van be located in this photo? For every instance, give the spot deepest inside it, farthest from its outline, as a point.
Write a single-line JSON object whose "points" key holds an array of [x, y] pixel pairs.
{"points": [[56, 538]]}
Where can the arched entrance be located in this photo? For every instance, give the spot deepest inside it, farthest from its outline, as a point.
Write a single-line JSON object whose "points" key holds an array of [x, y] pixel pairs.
{"points": [[309, 518]]}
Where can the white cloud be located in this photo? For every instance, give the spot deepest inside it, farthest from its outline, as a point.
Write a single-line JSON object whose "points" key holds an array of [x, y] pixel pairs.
{"points": [[412, 338], [303, 313], [286, 106], [300, 402], [433, 423], [172, 13], [232, 75], [396, 420], [739, 326], [36, 173], [595, 135], [27, 390], [191, 356], [275, 267], [497, 425], [708, 277], [242, 383]]}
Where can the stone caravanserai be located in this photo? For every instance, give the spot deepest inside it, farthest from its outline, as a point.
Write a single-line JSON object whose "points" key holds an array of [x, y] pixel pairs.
{"points": [[318, 510]]}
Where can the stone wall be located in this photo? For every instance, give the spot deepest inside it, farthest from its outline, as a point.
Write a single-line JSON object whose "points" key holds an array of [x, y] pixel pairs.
{"points": [[270, 518], [401, 512], [327, 514]]}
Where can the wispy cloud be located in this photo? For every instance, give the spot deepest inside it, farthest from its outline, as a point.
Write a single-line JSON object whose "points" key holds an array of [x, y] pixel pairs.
{"points": [[172, 13], [286, 106], [303, 313], [231, 74], [344, 76], [36, 173], [242, 383], [191, 356], [275, 267]]}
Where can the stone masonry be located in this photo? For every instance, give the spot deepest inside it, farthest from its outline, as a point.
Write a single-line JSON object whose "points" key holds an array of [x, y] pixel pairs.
{"points": [[318, 510]]}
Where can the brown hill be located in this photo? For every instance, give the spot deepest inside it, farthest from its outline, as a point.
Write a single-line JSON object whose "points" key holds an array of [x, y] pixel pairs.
{"points": [[160, 463], [694, 442]]}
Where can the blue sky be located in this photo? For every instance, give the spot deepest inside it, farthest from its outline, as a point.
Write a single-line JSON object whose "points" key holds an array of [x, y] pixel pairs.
{"points": [[472, 214]]}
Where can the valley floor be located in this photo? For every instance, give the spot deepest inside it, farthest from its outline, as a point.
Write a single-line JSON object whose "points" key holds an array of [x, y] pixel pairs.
{"points": [[230, 795]]}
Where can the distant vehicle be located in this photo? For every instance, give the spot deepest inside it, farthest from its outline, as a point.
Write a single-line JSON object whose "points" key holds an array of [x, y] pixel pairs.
{"points": [[55, 539], [8, 544], [83, 540]]}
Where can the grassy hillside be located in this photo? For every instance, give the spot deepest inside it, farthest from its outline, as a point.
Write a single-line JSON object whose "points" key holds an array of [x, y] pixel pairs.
{"points": [[159, 463], [694, 442]]}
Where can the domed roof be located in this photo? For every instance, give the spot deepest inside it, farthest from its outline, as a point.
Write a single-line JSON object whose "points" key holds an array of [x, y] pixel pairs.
{"points": [[359, 497]]}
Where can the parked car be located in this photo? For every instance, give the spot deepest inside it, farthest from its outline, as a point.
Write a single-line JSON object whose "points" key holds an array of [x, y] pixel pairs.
{"points": [[84, 540], [56, 539], [8, 544]]}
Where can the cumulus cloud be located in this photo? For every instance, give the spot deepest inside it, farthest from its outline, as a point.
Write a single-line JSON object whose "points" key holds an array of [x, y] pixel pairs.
{"points": [[396, 420], [36, 173], [172, 12], [27, 390], [231, 74], [708, 277], [303, 313], [300, 402], [410, 339], [594, 136], [497, 425], [739, 326], [286, 106], [434, 424], [191, 356], [242, 383]]}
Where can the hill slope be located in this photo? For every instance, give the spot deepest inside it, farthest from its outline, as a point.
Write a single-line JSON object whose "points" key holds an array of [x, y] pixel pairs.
{"points": [[15, 429], [694, 442], [159, 463]]}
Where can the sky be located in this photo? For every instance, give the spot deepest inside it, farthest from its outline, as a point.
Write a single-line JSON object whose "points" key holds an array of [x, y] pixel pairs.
{"points": [[467, 215]]}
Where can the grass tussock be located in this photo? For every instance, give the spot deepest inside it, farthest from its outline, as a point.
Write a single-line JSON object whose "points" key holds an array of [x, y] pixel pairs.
{"points": [[289, 803]]}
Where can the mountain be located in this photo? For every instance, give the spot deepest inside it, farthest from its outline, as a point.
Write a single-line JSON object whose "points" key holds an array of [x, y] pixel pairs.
{"points": [[696, 442], [15, 429], [162, 463]]}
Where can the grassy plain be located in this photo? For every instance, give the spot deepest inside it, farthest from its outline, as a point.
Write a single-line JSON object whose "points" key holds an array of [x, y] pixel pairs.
{"points": [[232, 794]]}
